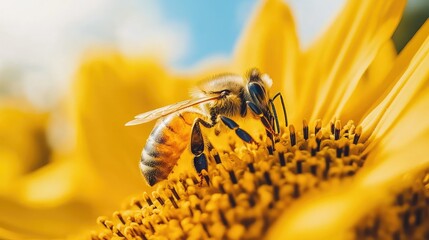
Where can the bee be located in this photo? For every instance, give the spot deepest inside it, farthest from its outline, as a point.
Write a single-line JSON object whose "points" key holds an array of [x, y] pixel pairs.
{"points": [[215, 100]]}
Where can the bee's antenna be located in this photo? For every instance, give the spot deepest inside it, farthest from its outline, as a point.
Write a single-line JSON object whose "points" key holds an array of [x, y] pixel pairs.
{"points": [[273, 109], [275, 112]]}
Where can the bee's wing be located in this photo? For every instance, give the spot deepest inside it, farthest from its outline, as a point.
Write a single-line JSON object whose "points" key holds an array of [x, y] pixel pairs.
{"points": [[164, 111]]}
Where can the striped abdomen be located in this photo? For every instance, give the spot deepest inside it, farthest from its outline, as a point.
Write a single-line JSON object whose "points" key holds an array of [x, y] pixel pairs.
{"points": [[165, 144]]}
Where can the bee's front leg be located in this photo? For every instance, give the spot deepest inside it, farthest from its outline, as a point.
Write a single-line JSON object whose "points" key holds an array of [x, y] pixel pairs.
{"points": [[231, 124], [268, 127], [258, 112]]}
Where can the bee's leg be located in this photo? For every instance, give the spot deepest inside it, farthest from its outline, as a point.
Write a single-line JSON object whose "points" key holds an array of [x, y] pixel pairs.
{"points": [[268, 127], [231, 124], [197, 145]]}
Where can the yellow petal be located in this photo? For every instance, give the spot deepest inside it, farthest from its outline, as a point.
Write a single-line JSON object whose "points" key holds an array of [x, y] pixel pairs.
{"points": [[36, 190], [410, 76], [336, 62], [63, 190], [109, 91], [371, 84], [402, 150], [270, 44], [326, 215], [381, 65], [23, 142], [43, 223]]}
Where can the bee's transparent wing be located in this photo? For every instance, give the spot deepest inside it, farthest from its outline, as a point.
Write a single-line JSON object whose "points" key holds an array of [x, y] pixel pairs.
{"points": [[164, 111]]}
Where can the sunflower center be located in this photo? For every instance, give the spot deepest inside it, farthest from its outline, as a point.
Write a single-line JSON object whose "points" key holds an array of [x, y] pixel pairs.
{"points": [[245, 189]]}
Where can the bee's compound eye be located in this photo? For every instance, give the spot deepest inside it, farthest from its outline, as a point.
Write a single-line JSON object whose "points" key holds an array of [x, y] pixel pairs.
{"points": [[257, 92]]}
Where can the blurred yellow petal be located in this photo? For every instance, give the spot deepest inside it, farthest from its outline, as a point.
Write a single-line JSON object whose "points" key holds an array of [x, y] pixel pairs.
{"points": [[45, 222], [38, 188], [410, 76], [270, 43], [23, 143], [320, 216], [109, 91], [36, 191], [403, 147], [371, 84], [380, 67], [337, 61]]}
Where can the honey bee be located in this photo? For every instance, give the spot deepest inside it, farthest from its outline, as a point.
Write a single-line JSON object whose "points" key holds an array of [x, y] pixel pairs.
{"points": [[216, 100]]}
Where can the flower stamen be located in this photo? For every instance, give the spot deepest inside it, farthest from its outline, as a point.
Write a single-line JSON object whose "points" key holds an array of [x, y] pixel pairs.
{"points": [[227, 200], [305, 129]]}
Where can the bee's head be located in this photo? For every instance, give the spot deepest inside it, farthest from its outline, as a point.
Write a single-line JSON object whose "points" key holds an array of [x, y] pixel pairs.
{"points": [[230, 88], [234, 91]]}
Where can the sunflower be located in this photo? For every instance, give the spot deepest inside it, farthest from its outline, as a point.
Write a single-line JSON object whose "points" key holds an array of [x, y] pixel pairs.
{"points": [[351, 164], [365, 178]]}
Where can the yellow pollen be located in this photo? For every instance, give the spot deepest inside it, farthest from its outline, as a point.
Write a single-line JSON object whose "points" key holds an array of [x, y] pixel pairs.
{"points": [[246, 189]]}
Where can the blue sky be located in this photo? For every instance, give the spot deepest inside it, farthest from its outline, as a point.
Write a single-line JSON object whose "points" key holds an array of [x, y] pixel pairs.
{"points": [[214, 25]]}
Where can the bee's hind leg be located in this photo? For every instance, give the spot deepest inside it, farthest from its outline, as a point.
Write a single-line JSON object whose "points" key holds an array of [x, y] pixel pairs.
{"points": [[197, 145]]}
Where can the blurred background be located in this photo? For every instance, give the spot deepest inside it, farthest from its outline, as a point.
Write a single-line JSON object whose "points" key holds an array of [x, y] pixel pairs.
{"points": [[42, 42], [72, 72]]}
